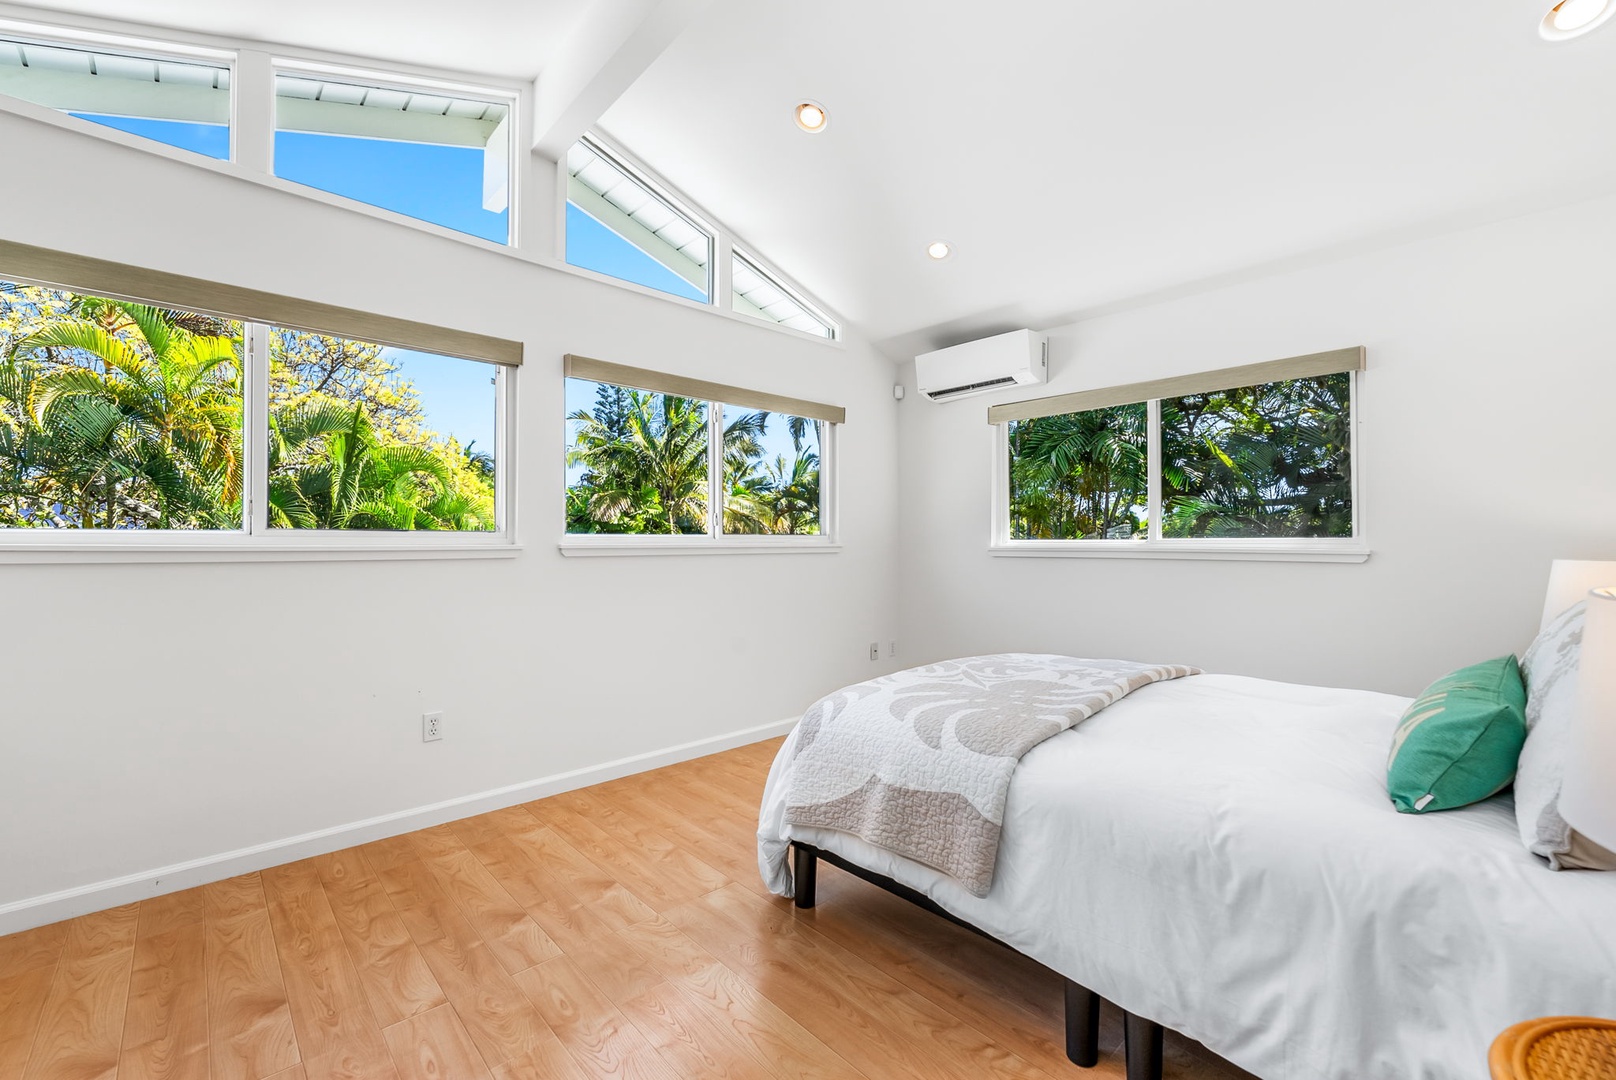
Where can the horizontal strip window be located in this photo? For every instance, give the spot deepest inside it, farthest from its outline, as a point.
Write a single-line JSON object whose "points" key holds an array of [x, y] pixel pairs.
{"points": [[426, 152], [1296, 367], [602, 371], [44, 266], [651, 466], [126, 423], [1234, 468]]}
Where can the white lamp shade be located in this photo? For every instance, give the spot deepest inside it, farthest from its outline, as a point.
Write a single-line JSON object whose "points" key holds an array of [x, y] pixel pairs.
{"points": [[1588, 793], [1569, 582]]}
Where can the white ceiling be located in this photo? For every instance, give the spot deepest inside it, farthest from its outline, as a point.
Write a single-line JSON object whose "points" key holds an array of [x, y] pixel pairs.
{"points": [[1079, 154], [508, 38]]}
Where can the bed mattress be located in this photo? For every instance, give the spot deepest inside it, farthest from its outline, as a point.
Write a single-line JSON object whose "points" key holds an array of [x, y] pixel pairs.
{"points": [[1218, 854]]}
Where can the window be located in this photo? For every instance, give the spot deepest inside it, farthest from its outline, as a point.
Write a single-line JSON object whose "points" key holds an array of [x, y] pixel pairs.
{"points": [[123, 416], [1081, 476], [429, 155], [183, 103], [651, 455], [368, 437], [771, 473], [116, 415], [760, 295], [618, 224], [1262, 463]]}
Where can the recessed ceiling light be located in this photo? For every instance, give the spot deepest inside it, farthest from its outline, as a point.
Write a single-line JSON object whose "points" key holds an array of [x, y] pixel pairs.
{"points": [[812, 117], [1573, 18], [937, 249]]}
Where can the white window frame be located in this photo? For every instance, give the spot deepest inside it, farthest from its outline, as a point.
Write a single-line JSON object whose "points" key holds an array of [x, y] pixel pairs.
{"points": [[255, 540], [715, 541], [763, 270], [1155, 545], [69, 37], [658, 189], [252, 129], [392, 80]]}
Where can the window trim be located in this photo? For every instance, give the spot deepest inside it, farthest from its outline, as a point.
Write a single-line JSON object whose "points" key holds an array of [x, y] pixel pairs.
{"points": [[251, 162], [383, 79], [658, 189], [1353, 549], [714, 540], [254, 540], [739, 253]]}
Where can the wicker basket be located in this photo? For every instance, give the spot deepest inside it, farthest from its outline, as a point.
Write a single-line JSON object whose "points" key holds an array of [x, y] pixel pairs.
{"points": [[1556, 1048]]}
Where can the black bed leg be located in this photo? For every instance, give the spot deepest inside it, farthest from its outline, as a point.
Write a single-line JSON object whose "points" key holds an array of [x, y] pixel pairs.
{"points": [[1142, 1042], [1082, 1025], [804, 872]]}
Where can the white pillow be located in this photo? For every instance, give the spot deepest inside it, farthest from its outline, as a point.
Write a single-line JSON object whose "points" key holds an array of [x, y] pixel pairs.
{"points": [[1549, 670]]}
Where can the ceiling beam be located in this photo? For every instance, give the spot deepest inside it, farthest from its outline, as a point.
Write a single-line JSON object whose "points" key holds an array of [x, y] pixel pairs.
{"points": [[609, 48]]}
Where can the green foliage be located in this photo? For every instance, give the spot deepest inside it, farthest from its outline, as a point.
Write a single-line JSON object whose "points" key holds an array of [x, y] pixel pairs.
{"points": [[645, 470], [1259, 461], [1080, 476], [116, 415]]}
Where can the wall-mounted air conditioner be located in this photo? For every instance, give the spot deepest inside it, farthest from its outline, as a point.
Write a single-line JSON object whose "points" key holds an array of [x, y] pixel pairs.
{"points": [[1019, 358]]}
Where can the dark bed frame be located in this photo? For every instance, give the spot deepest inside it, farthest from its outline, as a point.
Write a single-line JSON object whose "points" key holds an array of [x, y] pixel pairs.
{"points": [[1142, 1038]]}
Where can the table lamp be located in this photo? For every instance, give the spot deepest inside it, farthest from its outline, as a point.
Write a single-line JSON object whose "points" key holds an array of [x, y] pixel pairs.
{"points": [[1588, 793], [1569, 582]]}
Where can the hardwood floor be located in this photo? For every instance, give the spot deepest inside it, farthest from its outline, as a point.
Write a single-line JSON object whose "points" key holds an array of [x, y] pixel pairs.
{"points": [[616, 931]]}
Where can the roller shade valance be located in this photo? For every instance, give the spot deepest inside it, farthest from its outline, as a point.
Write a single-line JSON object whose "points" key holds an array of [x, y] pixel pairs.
{"points": [[602, 371], [120, 281], [1205, 382]]}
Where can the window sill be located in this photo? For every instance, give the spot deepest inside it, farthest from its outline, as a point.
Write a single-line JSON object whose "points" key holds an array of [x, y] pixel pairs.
{"points": [[1319, 551], [239, 550], [580, 546]]}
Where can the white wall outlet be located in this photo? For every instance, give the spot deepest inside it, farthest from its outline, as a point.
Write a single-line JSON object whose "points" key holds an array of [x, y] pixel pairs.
{"points": [[431, 726], [892, 649], [875, 650]]}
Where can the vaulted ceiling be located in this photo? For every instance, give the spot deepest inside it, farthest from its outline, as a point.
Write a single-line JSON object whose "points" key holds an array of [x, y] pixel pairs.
{"points": [[1078, 155]]}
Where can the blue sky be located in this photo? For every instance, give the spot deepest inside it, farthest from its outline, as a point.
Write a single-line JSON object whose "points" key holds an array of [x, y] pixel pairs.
{"points": [[441, 184]]}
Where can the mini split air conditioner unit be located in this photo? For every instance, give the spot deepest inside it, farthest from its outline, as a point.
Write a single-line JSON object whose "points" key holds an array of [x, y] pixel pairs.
{"points": [[1019, 358]]}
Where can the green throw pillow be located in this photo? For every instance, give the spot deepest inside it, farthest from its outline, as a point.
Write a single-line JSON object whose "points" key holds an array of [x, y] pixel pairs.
{"points": [[1459, 742]]}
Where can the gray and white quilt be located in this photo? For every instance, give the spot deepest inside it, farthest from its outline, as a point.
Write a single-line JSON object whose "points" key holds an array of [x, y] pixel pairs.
{"points": [[919, 762]]}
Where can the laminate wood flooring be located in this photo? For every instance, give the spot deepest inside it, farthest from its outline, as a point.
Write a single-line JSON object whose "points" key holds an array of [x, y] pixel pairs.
{"points": [[618, 931]]}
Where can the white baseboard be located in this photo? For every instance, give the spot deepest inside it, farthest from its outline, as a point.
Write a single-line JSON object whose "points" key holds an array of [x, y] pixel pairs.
{"points": [[98, 896]]}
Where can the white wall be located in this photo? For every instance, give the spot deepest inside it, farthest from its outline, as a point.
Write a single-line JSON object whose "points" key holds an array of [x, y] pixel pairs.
{"points": [[156, 714], [1487, 448]]}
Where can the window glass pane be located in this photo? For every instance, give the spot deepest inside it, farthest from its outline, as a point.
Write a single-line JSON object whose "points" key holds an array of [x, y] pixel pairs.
{"points": [[757, 294], [1081, 476], [771, 473], [433, 157], [181, 103], [366, 436], [116, 415], [618, 226], [636, 461], [1260, 461]]}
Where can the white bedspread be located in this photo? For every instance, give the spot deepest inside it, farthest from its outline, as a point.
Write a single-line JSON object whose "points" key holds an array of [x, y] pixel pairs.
{"points": [[1218, 854]]}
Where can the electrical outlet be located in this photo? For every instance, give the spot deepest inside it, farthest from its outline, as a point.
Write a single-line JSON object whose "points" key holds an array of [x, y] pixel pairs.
{"points": [[875, 650], [431, 726], [892, 649]]}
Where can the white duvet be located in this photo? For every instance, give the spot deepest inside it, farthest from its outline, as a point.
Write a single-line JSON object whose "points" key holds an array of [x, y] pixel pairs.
{"points": [[1218, 854]]}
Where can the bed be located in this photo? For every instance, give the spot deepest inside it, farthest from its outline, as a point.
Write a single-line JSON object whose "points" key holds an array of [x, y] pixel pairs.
{"points": [[1217, 854]]}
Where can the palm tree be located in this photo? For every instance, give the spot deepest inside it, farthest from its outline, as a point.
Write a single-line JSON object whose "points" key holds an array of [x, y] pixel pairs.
{"points": [[1080, 475], [329, 471], [793, 494], [1269, 460], [125, 415]]}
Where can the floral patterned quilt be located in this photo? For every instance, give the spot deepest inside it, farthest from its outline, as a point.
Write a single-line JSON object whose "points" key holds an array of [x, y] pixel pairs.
{"points": [[919, 762]]}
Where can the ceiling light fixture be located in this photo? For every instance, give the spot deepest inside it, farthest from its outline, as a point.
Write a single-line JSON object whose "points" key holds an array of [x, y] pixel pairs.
{"points": [[939, 250], [812, 117], [1573, 18]]}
